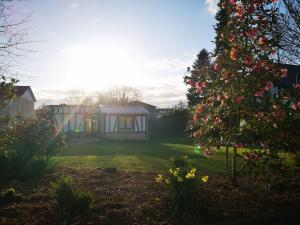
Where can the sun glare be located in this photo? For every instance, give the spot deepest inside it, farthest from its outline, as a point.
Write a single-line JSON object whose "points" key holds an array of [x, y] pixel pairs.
{"points": [[97, 67]]}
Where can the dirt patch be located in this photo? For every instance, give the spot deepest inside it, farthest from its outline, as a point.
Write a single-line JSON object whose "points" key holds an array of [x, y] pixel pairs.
{"points": [[134, 198]]}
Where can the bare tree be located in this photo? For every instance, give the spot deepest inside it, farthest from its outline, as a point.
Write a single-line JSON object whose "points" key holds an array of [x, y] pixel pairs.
{"points": [[289, 26], [118, 95], [79, 97], [13, 44]]}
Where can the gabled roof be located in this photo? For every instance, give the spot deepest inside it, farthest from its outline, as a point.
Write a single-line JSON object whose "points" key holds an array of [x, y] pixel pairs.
{"points": [[20, 90], [138, 103], [113, 109]]}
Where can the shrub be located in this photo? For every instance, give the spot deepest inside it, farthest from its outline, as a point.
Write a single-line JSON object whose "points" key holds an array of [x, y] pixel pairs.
{"points": [[27, 144], [71, 200], [39, 166], [183, 185]]}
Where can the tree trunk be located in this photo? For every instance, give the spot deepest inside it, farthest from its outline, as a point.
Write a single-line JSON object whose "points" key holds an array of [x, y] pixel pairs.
{"points": [[227, 158], [234, 167]]}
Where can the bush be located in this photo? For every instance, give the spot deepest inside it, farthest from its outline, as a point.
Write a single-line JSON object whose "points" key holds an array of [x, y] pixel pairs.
{"points": [[39, 166], [183, 185], [71, 200], [28, 144]]}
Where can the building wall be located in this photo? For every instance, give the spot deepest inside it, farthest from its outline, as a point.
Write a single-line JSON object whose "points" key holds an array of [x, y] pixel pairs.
{"points": [[21, 107], [76, 119], [111, 130]]}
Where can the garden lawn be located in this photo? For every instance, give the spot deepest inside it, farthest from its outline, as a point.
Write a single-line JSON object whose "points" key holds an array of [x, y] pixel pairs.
{"points": [[151, 155]]}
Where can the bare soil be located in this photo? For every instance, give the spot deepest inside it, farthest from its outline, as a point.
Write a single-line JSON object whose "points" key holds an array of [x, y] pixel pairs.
{"points": [[125, 198]]}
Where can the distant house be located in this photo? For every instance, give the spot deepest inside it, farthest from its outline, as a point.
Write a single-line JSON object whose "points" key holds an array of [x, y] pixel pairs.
{"points": [[110, 122], [23, 103], [150, 108], [124, 122]]}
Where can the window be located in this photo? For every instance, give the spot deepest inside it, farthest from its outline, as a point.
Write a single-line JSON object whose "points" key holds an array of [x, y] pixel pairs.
{"points": [[125, 122]]}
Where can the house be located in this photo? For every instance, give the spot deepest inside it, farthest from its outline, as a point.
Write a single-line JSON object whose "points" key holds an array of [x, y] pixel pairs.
{"points": [[124, 122], [23, 103], [110, 122]]}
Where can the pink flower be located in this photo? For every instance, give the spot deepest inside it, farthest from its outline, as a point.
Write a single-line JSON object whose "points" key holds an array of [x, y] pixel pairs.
{"points": [[297, 86], [191, 83], [233, 2], [196, 118], [260, 93], [251, 156], [283, 72], [200, 109], [207, 153], [298, 104], [279, 114], [294, 107], [240, 10], [217, 67], [269, 86], [217, 120], [239, 99], [251, 33], [262, 41], [201, 85]]}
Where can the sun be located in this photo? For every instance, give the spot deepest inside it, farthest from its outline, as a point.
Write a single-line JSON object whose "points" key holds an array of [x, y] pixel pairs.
{"points": [[97, 67]]}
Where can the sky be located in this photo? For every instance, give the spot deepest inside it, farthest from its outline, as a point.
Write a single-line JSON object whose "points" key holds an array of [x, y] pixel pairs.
{"points": [[94, 45]]}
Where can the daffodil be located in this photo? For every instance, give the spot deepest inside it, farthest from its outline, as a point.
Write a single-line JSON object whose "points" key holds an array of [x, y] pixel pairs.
{"points": [[193, 170], [159, 178], [179, 179], [171, 171], [205, 179], [176, 172], [190, 176]]}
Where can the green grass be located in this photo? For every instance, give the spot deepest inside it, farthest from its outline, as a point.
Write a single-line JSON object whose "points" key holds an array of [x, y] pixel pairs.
{"points": [[152, 155]]}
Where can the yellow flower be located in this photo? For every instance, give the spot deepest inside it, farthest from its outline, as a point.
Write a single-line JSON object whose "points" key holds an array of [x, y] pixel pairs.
{"points": [[176, 172], [167, 181], [159, 178], [205, 179], [171, 171], [190, 176], [185, 157], [179, 179], [193, 170]]}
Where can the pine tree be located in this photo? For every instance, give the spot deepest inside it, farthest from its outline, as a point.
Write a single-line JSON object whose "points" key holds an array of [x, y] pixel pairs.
{"points": [[201, 67]]}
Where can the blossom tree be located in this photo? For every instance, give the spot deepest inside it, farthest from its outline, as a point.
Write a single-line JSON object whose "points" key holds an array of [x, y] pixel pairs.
{"points": [[241, 107]]}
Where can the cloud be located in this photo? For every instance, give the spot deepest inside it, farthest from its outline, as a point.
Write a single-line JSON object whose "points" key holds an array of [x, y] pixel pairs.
{"points": [[177, 64], [74, 5], [212, 6]]}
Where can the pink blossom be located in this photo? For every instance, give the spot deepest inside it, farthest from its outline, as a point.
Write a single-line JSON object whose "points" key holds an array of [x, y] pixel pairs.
{"points": [[269, 86], [297, 86], [217, 120], [233, 1], [239, 99], [283, 72], [260, 93], [191, 83], [298, 104], [217, 67], [240, 10], [294, 107], [207, 153], [200, 109]]}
